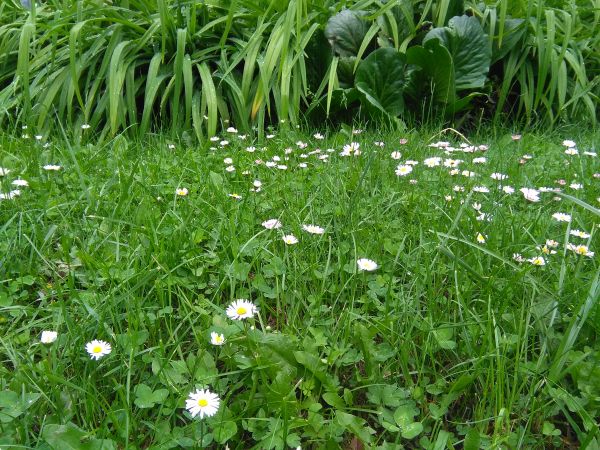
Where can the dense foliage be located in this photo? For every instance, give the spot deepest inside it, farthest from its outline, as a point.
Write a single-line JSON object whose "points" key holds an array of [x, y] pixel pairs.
{"points": [[192, 66], [410, 293]]}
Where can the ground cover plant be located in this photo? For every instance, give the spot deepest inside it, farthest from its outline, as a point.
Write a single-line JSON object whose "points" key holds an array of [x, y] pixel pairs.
{"points": [[339, 290], [187, 66]]}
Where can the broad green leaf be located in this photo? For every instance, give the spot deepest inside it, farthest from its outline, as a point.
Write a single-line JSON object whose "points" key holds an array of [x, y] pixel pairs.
{"points": [[412, 430], [381, 78], [334, 400], [404, 415], [514, 30], [355, 425], [224, 431], [345, 32], [468, 45], [147, 398], [436, 62], [315, 366], [12, 405], [472, 440], [70, 437]]}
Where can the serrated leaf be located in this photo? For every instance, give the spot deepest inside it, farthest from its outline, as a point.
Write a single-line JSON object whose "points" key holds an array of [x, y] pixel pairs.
{"points": [[147, 398]]}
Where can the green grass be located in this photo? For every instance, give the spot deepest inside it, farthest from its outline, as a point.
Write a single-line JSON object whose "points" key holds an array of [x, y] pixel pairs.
{"points": [[450, 342]]}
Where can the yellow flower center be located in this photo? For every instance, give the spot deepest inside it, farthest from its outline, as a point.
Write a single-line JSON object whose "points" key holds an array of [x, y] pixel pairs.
{"points": [[581, 250], [241, 311], [97, 349], [203, 402]]}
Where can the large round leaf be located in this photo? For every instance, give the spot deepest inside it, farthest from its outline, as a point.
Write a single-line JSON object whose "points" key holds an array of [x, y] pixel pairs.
{"points": [[468, 45], [436, 62], [381, 78], [345, 32]]}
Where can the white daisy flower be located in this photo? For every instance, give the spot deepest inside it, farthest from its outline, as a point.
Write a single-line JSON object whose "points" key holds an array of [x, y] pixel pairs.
{"points": [[367, 265], [480, 238], [216, 338], [230, 169], [51, 167], [498, 176], [250, 149], [4, 172], [290, 239], [568, 143], [241, 309], [85, 126], [232, 130], [530, 194], [396, 155], [571, 151], [482, 189], [318, 136], [403, 170], [579, 233], [182, 192], [575, 186], [271, 224], [537, 261], [580, 250], [202, 403], [98, 349], [313, 229], [228, 161], [10, 195], [518, 257], [468, 173], [20, 182], [508, 190], [480, 160], [561, 217], [433, 161], [48, 337], [452, 163], [551, 243], [546, 250]]}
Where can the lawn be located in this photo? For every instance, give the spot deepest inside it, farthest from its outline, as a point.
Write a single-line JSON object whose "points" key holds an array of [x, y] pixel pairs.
{"points": [[424, 289]]}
